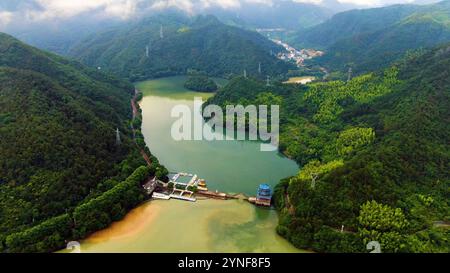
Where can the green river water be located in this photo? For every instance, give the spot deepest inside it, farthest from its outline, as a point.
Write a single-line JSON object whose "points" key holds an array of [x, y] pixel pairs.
{"points": [[206, 225]]}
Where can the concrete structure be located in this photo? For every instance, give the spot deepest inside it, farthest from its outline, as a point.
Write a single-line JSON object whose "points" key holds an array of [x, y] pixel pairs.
{"points": [[264, 195]]}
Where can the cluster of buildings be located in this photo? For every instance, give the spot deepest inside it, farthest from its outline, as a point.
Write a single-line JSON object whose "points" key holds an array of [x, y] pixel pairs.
{"points": [[297, 56]]}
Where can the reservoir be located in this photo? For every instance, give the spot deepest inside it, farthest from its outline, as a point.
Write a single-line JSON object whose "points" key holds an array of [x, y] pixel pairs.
{"points": [[227, 166]]}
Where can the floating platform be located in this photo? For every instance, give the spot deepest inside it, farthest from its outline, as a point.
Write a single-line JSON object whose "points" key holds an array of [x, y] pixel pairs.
{"points": [[161, 196], [176, 196]]}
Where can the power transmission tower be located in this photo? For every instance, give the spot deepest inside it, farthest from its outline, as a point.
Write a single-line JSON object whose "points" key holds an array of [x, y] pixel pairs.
{"points": [[259, 68], [118, 140], [349, 74], [161, 32], [245, 73], [268, 81]]}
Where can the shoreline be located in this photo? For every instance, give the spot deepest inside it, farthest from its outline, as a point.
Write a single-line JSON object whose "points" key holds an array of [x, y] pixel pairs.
{"points": [[129, 225], [134, 225]]}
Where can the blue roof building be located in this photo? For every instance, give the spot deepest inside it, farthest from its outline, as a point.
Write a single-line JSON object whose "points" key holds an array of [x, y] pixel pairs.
{"points": [[264, 195]]}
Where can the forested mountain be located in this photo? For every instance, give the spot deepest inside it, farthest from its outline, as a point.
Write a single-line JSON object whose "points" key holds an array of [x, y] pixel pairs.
{"points": [[374, 153], [350, 23], [289, 15], [176, 44], [38, 23], [58, 144], [367, 40]]}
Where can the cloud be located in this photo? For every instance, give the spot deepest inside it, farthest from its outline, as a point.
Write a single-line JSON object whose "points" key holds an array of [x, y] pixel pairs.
{"points": [[68, 8], [363, 3], [35, 10], [186, 5], [5, 18], [192, 6], [374, 3]]}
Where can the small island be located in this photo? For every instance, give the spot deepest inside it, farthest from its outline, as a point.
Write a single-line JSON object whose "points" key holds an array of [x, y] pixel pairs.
{"points": [[200, 83]]}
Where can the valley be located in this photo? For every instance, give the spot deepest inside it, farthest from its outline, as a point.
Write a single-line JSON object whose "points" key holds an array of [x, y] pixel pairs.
{"points": [[208, 225], [342, 138]]}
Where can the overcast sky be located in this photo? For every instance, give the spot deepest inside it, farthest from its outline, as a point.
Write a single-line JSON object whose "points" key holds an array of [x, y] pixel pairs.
{"points": [[34, 10]]}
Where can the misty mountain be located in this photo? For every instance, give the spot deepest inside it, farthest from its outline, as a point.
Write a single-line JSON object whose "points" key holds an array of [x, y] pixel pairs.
{"points": [[282, 14], [173, 44], [47, 26], [371, 39]]}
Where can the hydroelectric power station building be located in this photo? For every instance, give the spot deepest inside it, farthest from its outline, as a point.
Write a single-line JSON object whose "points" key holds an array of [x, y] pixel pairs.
{"points": [[264, 195]]}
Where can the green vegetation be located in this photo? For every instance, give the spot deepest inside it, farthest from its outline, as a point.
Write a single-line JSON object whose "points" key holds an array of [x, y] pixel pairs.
{"points": [[58, 145], [375, 156], [200, 83], [192, 188], [383, 224], [354, 139], [351, 23], [204, 44], [95, 214], [368, 40]]}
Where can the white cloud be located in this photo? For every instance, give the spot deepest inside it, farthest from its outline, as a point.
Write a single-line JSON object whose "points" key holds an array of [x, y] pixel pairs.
{"points": [[5, 18], [68, 8], [192, 6], [62, 9], [316, 2], [186, 5], [264, 2]]}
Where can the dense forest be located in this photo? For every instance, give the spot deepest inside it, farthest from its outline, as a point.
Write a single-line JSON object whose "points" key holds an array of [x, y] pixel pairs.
{"points": [[374, 150], [200, 83], [59, 148], [374, 153], [368, 40], [173, 44]]}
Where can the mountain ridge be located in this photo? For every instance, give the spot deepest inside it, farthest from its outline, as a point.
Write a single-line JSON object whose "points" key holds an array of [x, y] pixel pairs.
{"points": [[203, 44], [60, 148], [385, 41]]}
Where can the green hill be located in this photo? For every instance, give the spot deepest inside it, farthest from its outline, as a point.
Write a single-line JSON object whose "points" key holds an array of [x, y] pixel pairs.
{"points": [[374, 154], [349, 23], [201, 43], [368, 40], [58, 145]]}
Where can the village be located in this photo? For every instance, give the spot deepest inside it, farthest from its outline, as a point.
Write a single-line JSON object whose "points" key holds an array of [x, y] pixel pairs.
{"points": [[295, 55]]}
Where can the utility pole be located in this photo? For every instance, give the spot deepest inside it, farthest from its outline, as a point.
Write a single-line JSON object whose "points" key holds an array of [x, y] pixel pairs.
{"points": [[245, 73], [259, 68], [314, 177], [118, 140], [147, 53]]}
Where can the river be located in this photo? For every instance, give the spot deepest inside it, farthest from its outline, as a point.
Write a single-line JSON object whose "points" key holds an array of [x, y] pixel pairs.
{"points": [[206, 225]]}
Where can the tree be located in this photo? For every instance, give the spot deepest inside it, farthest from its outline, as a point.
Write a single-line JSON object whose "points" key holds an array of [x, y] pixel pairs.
{"points": [[200, 83], [315, 170], [383, 224], [353, 139]]}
